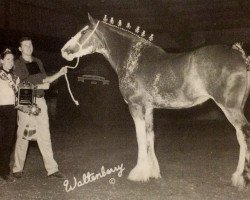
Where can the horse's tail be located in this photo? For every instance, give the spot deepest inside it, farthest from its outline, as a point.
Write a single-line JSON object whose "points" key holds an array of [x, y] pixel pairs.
{"points": [[247, 88], [238, 46]]}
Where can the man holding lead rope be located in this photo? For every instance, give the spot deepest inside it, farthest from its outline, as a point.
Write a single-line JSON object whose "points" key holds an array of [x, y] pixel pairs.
{"points": [[30, 69]]}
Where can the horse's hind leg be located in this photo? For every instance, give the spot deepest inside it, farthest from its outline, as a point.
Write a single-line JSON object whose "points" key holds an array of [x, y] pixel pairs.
{"points": [[242, 126], [155, 169]]}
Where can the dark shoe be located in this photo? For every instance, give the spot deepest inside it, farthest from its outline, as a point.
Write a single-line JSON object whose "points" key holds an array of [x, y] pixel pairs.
{"points": [[57, 175], [18, 174], [9, 178]]}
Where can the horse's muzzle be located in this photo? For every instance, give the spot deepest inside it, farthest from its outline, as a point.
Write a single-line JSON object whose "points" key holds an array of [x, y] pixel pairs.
{"points": [[67, 56]]}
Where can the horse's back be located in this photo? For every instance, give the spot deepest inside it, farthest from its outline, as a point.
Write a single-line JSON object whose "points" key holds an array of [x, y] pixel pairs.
{"points": [[219, 56], [187, 79]]}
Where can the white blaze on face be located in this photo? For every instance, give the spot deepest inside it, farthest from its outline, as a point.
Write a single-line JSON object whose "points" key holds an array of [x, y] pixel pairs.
{"points": [[74, 43], [85, 28]]}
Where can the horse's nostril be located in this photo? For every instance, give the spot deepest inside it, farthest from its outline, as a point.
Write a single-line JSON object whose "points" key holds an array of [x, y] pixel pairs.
{"points": [[68, 51], [65, 54]]}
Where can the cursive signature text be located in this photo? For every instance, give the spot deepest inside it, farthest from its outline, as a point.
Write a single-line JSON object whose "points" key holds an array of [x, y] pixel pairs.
{"points": [[92, 177]]}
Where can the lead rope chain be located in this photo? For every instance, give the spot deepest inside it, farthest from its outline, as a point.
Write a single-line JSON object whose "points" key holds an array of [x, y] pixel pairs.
{"points": [[68, 85]]}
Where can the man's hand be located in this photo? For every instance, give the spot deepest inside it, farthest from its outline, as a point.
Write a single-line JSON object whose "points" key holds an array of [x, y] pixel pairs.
{"points": [[50, 79], [63, 70]]}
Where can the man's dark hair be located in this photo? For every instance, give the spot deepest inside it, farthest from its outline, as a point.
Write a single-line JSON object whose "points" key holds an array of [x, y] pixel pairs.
{"points": [[24, 39]]}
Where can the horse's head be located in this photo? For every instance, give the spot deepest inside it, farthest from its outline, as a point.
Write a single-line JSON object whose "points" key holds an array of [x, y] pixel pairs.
{"points": [[83, 43]]}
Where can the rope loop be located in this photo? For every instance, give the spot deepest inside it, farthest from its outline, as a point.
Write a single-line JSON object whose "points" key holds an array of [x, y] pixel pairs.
{"points": [[68, 84]]}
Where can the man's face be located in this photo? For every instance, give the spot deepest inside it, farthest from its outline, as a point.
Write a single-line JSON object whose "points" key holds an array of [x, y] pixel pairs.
{"points": [[26, 48]]}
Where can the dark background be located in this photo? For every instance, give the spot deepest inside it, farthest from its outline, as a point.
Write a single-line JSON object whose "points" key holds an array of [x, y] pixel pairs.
{"points": [[178, 25]]}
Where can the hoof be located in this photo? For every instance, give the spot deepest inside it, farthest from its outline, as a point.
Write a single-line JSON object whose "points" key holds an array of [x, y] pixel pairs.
{"points": [[155, 173], [238, 181], [154, 168], [139, 173]]}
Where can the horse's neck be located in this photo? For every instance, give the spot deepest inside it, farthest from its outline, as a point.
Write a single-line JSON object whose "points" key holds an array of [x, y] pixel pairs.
{"points": [[118, 46]]}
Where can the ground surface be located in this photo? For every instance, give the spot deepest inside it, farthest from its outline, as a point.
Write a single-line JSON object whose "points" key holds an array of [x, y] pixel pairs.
{"points": [[196, 161]]}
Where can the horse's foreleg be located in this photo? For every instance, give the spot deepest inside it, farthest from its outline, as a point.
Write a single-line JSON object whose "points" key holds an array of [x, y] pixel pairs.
{"points": [[155, 169], [141, 172]]}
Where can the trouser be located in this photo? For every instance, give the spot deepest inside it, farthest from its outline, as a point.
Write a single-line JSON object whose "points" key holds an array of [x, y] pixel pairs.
{"points": [[7, 135], [42, 137]]}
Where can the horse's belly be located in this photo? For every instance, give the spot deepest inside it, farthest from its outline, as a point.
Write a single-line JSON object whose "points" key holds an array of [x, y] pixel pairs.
{"points": [[171, 102]]}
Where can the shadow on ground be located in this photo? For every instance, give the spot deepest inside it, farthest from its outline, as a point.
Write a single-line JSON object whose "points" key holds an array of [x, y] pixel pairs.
{"points": [[196, 162]]}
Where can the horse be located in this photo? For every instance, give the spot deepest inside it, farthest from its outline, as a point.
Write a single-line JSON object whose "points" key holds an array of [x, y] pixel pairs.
{"points": [[151, 78]]}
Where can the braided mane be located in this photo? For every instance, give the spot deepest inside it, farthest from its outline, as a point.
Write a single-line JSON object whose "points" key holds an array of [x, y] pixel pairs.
{"points": [[128, 27]]}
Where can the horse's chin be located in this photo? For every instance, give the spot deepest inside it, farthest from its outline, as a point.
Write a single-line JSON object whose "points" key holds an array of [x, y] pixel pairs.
{"points": [[68, 57]]}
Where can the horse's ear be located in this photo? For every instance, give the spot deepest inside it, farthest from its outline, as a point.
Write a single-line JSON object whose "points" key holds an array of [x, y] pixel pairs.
{"points": [[91, 19]]}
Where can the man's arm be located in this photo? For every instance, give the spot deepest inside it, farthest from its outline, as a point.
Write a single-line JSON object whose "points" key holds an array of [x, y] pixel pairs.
{"points": [[50, 79], [43, 86]]}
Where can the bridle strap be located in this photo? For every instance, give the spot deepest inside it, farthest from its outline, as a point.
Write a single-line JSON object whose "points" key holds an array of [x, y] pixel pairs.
{"points": [[80, 45]]}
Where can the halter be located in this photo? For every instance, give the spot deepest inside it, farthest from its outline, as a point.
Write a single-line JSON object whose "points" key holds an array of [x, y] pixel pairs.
{"points": [[77, 62], [80, 45]]}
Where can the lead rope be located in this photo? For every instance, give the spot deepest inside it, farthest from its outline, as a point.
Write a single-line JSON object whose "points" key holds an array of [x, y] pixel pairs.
{"points": [[80, 46], [68, 85]]}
